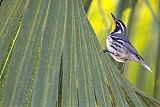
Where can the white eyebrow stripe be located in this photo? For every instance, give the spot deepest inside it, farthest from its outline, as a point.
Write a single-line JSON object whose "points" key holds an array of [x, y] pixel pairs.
{"points": [[121, 25]]}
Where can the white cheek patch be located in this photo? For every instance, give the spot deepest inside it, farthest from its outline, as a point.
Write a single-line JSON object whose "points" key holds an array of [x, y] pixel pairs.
{"points": [[119, 31]]}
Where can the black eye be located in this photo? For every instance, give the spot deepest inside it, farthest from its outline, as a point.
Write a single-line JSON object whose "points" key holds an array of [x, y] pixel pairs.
{"points": [[118, 25]]}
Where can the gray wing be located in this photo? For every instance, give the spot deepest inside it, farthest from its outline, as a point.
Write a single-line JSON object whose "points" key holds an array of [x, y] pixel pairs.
{"points": [[123, 40]]}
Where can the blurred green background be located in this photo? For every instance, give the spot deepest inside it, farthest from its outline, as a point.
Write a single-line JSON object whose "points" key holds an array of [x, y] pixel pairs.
{"points": [[141, 18]]}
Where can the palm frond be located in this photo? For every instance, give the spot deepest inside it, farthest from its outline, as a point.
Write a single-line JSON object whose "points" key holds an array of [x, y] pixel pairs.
{"points": [[56, 60]]}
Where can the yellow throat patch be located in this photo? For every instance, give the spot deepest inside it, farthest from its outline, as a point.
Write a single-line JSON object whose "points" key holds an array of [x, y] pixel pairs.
{"points": [[113, 26]]}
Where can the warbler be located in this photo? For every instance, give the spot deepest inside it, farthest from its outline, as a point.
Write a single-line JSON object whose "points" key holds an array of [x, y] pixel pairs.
{"points": [[119, 47]]}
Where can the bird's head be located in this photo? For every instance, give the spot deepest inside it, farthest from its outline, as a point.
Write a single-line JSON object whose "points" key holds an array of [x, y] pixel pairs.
{"points": [[117, 25]]}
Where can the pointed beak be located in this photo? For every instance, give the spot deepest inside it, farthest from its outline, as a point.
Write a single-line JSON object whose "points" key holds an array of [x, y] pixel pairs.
{"points": [[113, 17]]}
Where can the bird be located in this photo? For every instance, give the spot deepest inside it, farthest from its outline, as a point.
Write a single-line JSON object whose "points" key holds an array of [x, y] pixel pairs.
{"points": [[119, 46]]}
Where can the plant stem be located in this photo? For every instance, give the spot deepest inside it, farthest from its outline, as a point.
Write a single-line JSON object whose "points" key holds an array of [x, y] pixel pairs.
{"points": [[133, 5], [157, 72]]}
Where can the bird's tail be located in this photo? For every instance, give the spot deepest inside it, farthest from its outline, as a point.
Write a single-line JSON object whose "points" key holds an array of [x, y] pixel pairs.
{"points": [[145, 65]]}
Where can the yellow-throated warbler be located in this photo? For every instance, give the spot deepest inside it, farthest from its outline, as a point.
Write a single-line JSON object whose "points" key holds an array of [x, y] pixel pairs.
{"points": [[119, 47]]}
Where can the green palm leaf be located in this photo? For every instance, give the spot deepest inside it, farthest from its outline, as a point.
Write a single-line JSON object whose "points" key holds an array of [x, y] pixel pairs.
{"points": [[50, 56]]}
